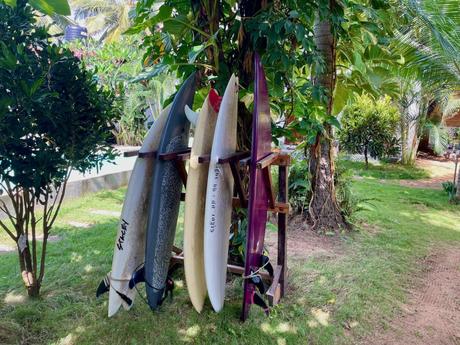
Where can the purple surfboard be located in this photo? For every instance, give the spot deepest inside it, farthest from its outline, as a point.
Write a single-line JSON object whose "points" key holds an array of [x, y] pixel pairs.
{"points": [[258, 195]]}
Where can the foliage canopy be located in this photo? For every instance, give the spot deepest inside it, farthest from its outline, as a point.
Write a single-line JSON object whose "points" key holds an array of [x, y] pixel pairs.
{"points": [[53, 118], [369, 127]]}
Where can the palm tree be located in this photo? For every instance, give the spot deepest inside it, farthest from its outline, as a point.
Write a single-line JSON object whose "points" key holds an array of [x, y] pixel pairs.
{"points": [[430, 45], [104, 19], [324, 210]]}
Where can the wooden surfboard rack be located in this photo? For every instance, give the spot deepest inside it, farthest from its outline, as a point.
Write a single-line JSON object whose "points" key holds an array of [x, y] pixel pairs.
{"points": [[278, 204]]}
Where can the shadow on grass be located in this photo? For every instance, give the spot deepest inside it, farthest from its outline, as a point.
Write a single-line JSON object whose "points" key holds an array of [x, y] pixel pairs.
{"points": [[385, 171], [325, 295], [68, 312]]}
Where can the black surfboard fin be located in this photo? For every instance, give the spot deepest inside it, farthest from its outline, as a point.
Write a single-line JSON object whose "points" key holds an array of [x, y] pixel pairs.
{"points": [[261, 303], [168, 290], [267, 265], [138, 277], [258, 282], [103, 287], [125, 298]]}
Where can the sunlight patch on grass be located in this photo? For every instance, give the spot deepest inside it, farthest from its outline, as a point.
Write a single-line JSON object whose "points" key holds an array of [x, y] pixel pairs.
{"points": [[67, 340], [321, 316], [12, 299], [285, 327], [281, 328], [75, 257], [281, 341], [190, 333]]}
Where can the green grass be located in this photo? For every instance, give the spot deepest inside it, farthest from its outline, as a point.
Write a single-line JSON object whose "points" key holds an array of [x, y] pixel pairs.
{"points": [[386, 171], [359, 288]]}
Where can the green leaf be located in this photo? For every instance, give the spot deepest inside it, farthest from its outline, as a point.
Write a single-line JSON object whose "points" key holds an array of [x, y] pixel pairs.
{"points": [[164, 13], [341, 96], [332, 120], [358, 62], [11, 3], [9, 59], [155, 71], [51, 6], [196, 51]]}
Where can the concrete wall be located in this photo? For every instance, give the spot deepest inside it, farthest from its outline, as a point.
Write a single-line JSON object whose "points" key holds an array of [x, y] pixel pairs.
{"points": [[80, 187]]}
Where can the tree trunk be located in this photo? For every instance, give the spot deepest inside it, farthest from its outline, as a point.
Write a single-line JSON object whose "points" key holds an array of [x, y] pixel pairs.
{"points": [[413, 107], [324, 210], [366, 159]]}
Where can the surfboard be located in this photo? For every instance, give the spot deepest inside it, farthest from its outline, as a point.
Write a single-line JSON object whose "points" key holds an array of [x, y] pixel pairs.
{"points": [[129, 247], [195, 201], [165, 201], [219, 195], [258, 194]]}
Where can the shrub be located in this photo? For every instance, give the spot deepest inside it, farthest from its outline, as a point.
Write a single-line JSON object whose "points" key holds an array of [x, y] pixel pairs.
{"points": [[53, 118], [368, 128], [299, 184], [451, 189]]}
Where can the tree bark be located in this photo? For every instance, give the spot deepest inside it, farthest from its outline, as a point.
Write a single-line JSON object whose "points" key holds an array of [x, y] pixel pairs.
{"points": [[413, 107], [324, 210], [366, 159]]}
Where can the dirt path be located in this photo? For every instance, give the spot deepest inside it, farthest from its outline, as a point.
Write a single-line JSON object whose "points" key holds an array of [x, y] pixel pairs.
{"points": [[440, 170], [432, 314]]}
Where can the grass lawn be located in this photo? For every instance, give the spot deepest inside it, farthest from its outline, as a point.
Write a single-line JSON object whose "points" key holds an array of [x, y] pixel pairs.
{"points": [[331, 299], [386, 171]]}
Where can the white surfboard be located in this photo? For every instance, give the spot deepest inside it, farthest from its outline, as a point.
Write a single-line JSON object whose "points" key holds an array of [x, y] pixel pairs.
{"points": [[219, 196], [195, 199], [130, 241]]}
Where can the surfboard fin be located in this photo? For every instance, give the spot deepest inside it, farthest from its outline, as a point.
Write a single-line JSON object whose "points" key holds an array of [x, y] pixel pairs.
{"points": [[268, 266], [168, 290], [125, 298], [138, 277], [257, 300], [258, 282], [192, 116], [103, 287]]}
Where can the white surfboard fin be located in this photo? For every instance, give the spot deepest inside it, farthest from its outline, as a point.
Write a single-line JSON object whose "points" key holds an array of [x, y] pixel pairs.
{"points": [[192, 116], [138, 277]]}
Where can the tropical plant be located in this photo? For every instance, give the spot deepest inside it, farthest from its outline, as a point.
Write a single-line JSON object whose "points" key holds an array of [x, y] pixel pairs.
{"points": [[220, 37], [430, 72], [53, 118], [299, 185], [116, 64], [451, 189], [105, 20], [369, 128]]}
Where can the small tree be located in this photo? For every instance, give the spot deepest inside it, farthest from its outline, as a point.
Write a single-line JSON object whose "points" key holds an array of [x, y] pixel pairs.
{"points": [[53, 118], [369, 128]]}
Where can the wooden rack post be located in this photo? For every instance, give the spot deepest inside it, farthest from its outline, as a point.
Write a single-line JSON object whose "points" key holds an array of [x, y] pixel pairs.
{"points": [[277, 204]]}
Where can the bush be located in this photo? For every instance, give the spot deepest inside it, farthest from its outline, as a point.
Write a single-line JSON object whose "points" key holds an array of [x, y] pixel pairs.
{"points": [[369, 128], [300, 190], [299, 185], [451, 189], [53, 118]]}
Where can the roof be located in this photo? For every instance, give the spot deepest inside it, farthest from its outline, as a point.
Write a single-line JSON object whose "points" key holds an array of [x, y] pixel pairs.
{"points": [[452, 111]]}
